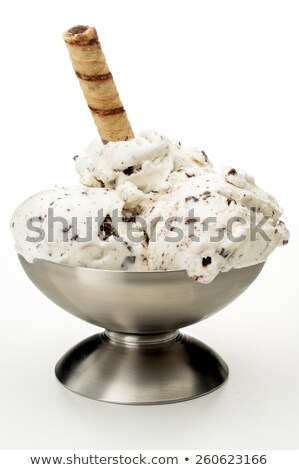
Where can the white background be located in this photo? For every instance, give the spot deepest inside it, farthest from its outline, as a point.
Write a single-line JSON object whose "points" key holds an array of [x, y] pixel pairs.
{"points": [[219, 74]]}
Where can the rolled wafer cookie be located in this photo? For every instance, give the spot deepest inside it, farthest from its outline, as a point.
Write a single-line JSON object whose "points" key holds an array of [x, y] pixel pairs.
{"points": [[97, 83]]}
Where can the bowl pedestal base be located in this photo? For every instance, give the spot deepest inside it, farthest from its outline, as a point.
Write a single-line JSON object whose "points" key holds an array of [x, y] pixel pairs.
{"points": [[141, 369]]}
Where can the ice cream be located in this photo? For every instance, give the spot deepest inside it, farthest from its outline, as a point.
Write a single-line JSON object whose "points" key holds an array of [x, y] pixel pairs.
{"points": [[183, 213], [74, 226], [145, 202], [147, 161], [216, 222]]}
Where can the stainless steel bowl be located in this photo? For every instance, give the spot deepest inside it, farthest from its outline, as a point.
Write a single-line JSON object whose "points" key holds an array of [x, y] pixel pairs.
{"points": [[141, 357]]}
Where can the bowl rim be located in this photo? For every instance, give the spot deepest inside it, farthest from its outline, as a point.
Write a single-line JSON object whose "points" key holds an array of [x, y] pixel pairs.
{"points": [[120, 271], [67, 266]]}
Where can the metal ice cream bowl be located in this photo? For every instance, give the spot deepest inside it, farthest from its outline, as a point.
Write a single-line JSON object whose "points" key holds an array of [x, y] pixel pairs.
{"points": [[141, 357]]}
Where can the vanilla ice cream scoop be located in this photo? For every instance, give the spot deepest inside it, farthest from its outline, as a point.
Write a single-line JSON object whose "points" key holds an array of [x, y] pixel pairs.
{"points": [[210, 224], [146, 161], [78, 226]]}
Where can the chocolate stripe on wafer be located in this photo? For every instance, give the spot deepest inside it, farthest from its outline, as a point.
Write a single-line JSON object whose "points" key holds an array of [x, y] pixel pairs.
{"points": [[107, 112], [94, 78]]}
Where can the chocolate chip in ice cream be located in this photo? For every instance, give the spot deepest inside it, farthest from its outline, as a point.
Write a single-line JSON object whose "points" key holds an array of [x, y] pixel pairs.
{"points": [[130, 219], [107, 229], [230, 200], [190, 221], [205, 156], [206, 261], [146, 237], [128, 246], [129, 171], [223, 252], [132, 169], [190, 198], [127, 261]]}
